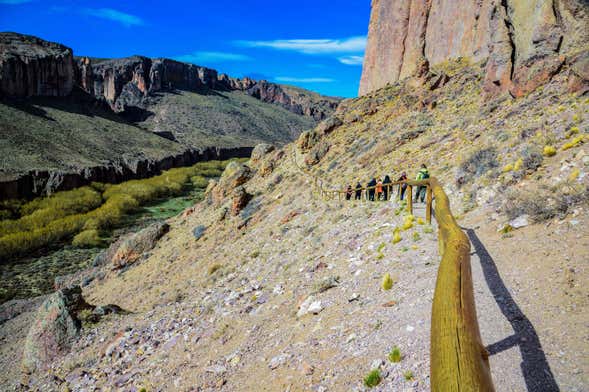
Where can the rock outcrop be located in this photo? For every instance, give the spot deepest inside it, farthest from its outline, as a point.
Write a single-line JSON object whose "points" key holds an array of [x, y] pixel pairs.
{"points": [[136, 245], [523, 42], [30, 66], [54, 330]]}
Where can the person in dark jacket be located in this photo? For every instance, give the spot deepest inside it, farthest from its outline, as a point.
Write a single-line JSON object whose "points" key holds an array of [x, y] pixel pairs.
{"points": [[402, 187], [358, 195], [371, 185], [423, 174], [386, 187], [349, 192]]}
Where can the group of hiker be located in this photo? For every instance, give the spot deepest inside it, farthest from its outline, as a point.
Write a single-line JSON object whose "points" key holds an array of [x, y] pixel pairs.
{"points": [[381, 189]]}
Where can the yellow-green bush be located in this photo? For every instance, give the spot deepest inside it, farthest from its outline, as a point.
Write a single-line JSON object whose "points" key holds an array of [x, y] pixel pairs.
{"points": [[549, 151], [575, 142], [87, 239], [42, 211], [387, 282], [199, 182]]}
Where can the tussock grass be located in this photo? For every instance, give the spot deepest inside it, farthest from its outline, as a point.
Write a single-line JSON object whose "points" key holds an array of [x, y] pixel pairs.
{"points": [[373, 378]]}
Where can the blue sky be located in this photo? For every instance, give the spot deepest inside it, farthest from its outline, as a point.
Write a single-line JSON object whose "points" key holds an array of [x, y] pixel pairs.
{"points": [[316, 44]]}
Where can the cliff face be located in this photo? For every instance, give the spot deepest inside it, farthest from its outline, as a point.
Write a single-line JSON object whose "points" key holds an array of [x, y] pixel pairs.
{"points": [[125, 82], [31, 66], [524, 41]]}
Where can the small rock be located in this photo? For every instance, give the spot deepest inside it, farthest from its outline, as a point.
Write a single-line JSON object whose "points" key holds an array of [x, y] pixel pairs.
{"points": [[277, 361], [198, 232], [217, 369], [520, 221], [376, 364], [307, 369], [315, 307], [354, 297], [409, 328]]}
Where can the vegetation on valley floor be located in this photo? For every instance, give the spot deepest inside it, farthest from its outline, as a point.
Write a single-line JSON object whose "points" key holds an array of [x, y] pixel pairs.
{"points": [[88, 213]]}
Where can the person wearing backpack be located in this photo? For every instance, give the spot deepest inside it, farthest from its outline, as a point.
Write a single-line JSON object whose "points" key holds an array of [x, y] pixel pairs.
{"points": [[387, 189], [423, 174]]}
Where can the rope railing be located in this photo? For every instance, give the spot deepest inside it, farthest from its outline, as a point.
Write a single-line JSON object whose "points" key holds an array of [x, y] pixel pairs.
{"points": [[458, 359]]}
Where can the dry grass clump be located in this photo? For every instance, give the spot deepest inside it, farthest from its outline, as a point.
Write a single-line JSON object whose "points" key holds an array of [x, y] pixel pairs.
{"points": [[544, 202], [480, 162]]}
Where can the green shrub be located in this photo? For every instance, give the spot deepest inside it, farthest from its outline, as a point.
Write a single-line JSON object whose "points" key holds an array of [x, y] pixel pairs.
{"points": [[395, 355], [373, 378], [408, 375], [87, 239]]}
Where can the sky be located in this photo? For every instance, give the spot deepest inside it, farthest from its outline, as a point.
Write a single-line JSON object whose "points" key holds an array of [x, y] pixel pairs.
{"points": [[315, 44]]}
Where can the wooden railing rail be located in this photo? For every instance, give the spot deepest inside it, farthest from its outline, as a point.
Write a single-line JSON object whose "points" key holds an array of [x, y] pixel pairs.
{"points": [[458, 359]]}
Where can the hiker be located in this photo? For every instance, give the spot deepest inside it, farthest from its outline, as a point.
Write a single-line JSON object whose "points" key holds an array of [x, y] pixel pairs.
{"points": [[386, 187], [358, 195], [370, 188], [402, 187], [349, 192], [379, 189], [423, 174]]}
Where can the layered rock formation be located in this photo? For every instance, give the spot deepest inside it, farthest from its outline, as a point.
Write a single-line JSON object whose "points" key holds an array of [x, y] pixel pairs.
{"points": [[523, 42], [124, 83], [30, 66]]}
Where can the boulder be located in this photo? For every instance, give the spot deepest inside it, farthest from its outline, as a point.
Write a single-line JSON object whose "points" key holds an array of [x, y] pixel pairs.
{"points": [[239, 200], [317, 153], [55, 328], [132, 247], [328, 125], [236, 174], [260, 151]]}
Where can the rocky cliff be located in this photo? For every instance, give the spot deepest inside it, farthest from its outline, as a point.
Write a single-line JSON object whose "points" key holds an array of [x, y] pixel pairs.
{"points": [[124, 83], [524, 42], [31, 66]]}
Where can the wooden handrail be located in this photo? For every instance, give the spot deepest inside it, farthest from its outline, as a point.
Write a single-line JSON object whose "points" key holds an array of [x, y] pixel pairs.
{"points": [[458, 359]]}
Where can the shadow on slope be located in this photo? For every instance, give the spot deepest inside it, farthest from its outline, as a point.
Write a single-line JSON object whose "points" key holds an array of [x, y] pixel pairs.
{"points": [[535, 367]]}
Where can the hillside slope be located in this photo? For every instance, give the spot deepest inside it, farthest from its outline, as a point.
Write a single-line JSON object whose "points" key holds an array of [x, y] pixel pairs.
{"points": [[222, 301]]}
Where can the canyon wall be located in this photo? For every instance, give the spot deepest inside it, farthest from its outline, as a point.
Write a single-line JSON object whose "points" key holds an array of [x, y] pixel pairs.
{"points": [[524, 42], [30, 66]]}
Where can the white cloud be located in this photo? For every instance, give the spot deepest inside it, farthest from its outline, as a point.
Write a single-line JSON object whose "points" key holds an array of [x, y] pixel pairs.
{"points": [[14, 2], [212, 57], [311, 46], [114, 15], [351, 60], [289, 79]]}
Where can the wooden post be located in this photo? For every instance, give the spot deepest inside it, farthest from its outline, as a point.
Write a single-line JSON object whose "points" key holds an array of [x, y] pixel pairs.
{"points": [[409, 195], [428, 204]]}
